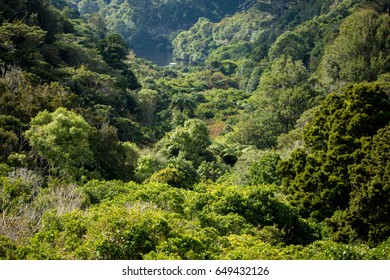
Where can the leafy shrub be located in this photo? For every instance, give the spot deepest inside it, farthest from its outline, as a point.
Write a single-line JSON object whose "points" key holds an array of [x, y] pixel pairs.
{"points": [[7, 248], [99, 191]]}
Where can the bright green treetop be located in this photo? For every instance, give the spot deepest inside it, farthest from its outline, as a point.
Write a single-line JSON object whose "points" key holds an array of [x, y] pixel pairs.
{"points": [[62, 138]]}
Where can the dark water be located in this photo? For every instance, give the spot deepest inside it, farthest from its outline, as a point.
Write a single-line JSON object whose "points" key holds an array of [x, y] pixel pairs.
{"points": [[159, 57]]}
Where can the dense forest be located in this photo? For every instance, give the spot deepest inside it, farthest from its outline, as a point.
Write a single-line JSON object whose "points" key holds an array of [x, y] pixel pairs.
{"points": [[153, 23], [270, 141]]}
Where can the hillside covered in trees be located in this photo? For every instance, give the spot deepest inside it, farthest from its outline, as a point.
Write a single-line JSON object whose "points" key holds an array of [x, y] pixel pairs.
{"points": [[153, 23], [272, 142]]}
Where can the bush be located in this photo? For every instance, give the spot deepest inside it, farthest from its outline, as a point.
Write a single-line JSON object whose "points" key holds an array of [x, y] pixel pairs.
{"points": [[7, 248]]}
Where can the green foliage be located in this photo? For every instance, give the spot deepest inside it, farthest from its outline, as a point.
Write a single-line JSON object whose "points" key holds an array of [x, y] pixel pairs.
{"points": [[147, 101], [64, 232], [284, 94], [221, 105], [147, 165], [229, 186], [148, 24], [113, 159], [289, 44], [62, 138], [19, 43], [110, 232], [211, 171], [23, 99], [318, 181], [286, 88], [113, 50], [179, 173], [121, 234], [169, 175], [382, 251], [16, 191], [247, 247], [183, 104], [360, 51], [366, 217], [263, 171], [128, 130], [224, 40], [9, 141], [93, 88], [7, 248], [257, 205], [189, 142], [241, 158], [99, 191], [259, 129], [328, 250], [193, 244], [194, 50]]}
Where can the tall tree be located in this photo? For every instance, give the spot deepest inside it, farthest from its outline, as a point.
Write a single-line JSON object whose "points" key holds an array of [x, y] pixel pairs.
{"points": [[317, 179], [369, 207], [284, 94], [190, 142], [62, 138], [360, 52]]}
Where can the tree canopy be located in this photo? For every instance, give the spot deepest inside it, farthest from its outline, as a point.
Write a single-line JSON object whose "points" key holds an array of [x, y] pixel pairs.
{"points": [[267, 137]]}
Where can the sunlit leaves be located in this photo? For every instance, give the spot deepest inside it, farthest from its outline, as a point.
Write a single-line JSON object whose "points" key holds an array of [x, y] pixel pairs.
{"points": [[19, 42], [360, 52], [62, 138]]}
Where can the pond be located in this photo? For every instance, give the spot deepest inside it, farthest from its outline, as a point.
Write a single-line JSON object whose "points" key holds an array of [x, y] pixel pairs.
{"points": [[159, 57]]}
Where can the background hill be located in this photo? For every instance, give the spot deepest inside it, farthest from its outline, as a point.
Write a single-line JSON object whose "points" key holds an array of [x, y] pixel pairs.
{"points": [[150, 24]]}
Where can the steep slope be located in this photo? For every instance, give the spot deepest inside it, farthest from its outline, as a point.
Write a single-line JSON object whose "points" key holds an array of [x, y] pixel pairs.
{"points": [[149, 24]]}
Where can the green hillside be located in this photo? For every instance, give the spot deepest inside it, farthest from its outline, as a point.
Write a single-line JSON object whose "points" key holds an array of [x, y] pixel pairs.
{"points": [[270, 141], [150, 23]]}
